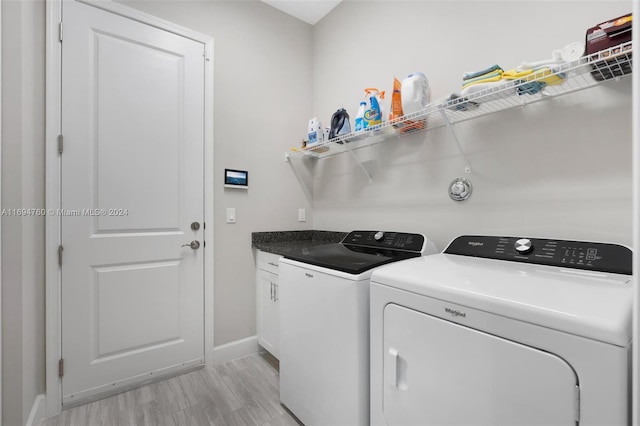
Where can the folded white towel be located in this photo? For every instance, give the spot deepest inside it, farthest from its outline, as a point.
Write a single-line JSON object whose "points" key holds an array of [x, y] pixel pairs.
{"points": [[571, 52], [546, 62]]}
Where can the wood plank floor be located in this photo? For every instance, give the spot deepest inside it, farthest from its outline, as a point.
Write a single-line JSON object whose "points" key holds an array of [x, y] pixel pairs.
{"points": [[240, 392]]}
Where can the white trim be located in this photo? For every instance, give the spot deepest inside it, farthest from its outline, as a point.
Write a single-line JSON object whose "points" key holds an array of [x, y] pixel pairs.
{"points": [[0, 224], [208, 201], [53, 389], [38, 411], [233, 350], [635, 369], [53, 129]]}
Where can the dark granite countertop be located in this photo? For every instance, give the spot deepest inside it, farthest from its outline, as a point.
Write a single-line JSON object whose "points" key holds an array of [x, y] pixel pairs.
{"points": [[282, 242]]}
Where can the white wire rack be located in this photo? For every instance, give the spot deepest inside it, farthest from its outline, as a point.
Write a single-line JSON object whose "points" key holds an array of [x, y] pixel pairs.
{"points": [[557, 80]]}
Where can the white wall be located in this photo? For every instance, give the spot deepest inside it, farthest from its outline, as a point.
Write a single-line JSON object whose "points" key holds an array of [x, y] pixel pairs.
{"points": [[262, 99], [22, 187], [560, 168]]}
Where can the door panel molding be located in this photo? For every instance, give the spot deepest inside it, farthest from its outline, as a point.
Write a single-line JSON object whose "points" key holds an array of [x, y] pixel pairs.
{"points": [[53, 183]]}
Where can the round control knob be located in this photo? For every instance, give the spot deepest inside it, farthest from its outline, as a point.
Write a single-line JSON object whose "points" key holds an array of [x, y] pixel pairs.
{"points": [[523, 246], [378, 235]]}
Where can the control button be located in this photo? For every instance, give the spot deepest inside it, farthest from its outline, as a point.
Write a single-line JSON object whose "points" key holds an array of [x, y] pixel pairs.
{"points": [[378, 235], [523, 246]]}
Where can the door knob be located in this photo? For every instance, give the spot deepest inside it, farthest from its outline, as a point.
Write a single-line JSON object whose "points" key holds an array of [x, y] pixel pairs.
{"points": [[193, 244]]}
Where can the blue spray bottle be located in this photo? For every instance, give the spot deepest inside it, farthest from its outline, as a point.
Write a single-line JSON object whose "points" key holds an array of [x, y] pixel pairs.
{"points": [[373, 115], [360, 117]]}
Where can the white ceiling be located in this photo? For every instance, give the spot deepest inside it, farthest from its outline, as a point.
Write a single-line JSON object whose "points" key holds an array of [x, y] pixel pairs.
{"points": [[310, 11]]}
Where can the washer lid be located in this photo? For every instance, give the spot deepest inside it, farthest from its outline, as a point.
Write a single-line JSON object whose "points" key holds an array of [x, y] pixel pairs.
{"points": [[348, 258], [362, 251], [595, 305]]}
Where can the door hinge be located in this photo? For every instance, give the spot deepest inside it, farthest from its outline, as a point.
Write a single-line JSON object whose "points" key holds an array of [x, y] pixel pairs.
{"points": [[60, 32], [61, 368], [576, 404], [60, 144], [60, 249], [206, 55]]}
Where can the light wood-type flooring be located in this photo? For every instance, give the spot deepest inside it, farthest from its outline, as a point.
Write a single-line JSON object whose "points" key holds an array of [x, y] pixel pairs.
{"points": [[240, 392]]}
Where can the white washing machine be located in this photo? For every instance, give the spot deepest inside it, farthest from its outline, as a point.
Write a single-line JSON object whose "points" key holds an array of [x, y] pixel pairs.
{"points": [[324, 324], [503, 331]]}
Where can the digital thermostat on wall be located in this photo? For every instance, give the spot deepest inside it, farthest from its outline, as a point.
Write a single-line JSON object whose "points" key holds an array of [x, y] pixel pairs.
{"points": [[236, 178]]}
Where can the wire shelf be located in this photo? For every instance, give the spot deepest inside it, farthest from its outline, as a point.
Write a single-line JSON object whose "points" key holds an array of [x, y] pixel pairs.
{"points": [[557, 80]]}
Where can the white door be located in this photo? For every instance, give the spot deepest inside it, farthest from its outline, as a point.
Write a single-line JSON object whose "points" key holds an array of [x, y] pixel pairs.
{"points": [[440, 373], [132, 185]]}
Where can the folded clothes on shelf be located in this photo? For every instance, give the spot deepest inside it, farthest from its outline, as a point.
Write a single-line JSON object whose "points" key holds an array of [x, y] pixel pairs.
{"points": [[530, 88], [494, 83], [545, 62], [490, 90], [457, 103], [548, 75], [485, 78], [515, 74], [538, 79], [475, 74]]}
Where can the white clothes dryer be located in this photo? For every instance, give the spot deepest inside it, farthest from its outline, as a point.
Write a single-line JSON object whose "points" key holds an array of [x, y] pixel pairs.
{"points": [[503, 331]]}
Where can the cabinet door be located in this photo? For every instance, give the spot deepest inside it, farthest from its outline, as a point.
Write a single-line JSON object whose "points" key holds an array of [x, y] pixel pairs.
{"points": [[268, 311], [437, 372]]}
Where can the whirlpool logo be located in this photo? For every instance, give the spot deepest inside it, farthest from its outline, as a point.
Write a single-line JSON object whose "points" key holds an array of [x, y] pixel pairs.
{"points": [[475, 243], [455, 313]]}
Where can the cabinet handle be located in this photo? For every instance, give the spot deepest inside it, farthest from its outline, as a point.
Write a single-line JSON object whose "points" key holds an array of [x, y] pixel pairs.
{"points": [[275, 292], [271, 291]]}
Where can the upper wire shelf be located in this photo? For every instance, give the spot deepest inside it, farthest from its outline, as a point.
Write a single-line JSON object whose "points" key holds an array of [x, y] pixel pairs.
{"points": [[558, 79]]}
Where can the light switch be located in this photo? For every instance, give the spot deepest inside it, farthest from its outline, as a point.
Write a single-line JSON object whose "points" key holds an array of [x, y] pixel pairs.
{"points": [[302, 215], [231, 215]]}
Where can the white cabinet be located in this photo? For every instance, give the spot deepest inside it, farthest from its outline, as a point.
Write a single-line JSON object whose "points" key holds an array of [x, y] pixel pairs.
{"points": [[267, 301]]}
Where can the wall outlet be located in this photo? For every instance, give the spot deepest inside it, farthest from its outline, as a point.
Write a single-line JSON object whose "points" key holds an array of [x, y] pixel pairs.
{"points": [[302, 215], [231, 215]]}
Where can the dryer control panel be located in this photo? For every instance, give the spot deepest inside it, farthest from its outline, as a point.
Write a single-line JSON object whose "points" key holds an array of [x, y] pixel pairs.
{"points": [[585, 255]]}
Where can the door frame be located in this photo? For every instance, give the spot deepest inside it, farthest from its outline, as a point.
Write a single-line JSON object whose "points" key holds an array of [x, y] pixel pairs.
{"points": [[1, 144], [53, 327], [635, 388]]}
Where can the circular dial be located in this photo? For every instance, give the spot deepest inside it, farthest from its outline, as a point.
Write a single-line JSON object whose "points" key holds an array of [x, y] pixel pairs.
{"points": [[378, 235], [524, 246]]}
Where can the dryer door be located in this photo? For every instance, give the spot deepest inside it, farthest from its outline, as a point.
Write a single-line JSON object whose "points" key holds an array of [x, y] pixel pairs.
{"points": [[437, 372]]}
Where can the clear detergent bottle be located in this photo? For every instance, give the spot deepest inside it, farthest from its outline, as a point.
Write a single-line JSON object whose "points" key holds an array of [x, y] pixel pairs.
{"points": [[360, 117]]}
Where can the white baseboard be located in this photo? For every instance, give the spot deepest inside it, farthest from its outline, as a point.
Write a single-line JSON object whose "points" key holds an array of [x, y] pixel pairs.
{"points": [[233, 350], [38, 411]]}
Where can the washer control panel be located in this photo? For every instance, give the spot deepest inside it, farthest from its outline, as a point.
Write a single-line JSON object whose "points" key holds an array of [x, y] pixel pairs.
{"points": [[590, 256], [387, 240]]}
